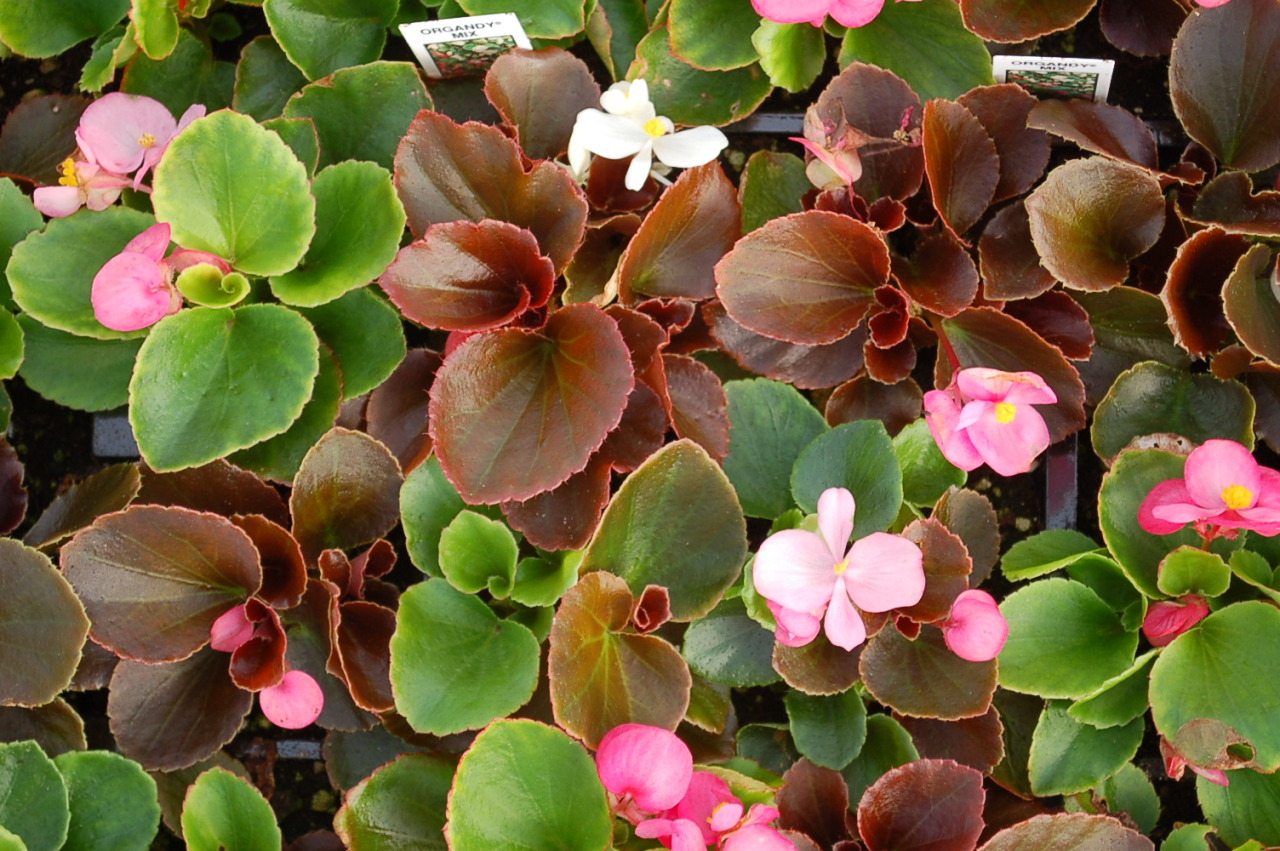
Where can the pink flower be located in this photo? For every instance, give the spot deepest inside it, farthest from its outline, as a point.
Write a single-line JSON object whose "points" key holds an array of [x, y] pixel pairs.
{"points": [[975, 630], [230, 630], [1223, 487], [1211, 4], [82, 184], [985, 416], [851, 13], [1168, 619], [135, 288], [294, 702], [710, 814], [644, 766], [126, 133], [808, 577]]}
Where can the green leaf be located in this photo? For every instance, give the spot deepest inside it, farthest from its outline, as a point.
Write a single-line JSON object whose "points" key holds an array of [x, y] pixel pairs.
{"points": [[187, 76], [361, 113], [99, 383], [541, 582], [728, 647], [11, 344], [791, 54], [204, 285], [524, 786], [714, 35], [1064, 641], [1069, 757], [1129, 790], [366, 335], [1255, 570], [300, 135], [769, 745], [1152, 398], [674, 522], [155, 24], [209, 382], [1245, 810], [829, 730], [113, 802], [100, 69], [232, 188], [688, 95], [478, 553], [322, 37], [1222, 670], [51, 272], [1120, 699], [11, 841], [926, 473], [428, 503], [1045, 552], [454, 665], [772, 186], [544, 19], [400, 807], [924, 43], [1188, 837], [1190, 570], [887, 746], [770, 424], [359, 222], [223, 811], [18, 218], [45, 29], [858, 456], [33, 797], [265, 79]]}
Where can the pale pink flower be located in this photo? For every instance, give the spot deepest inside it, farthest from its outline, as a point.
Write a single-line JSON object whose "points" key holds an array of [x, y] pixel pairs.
{"points": [[851, 13], [985, 416], [135, 288], [809, 577], [294, 702], [127, 133], [645, 768], [230, 630], [83, 184], [1167, 619], [975, 630], [1223, 488], [710, 814]]}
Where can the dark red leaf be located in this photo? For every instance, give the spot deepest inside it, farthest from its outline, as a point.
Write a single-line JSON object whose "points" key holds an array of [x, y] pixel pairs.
{"points": [[890, 365], [284, 571], [1229, 202], [1193, 293], [259, 662], [946, 569], [639, 434], [699, 407], [962, 164], [1019, 20], [593, 264], [1101, 128], [939, 276], [895, 405], [970, 515], [539, 94], [924, 678], [644, 337], [219, 486], [651, 610], [808, 278], [975, 742], [107, 490], [607, 189], [807, 367], [13, 496], [1250, 305], [927, 805], [466, 276], [1142, 27], [310, 626], [1069, 832], [1010, 263], [693, 225], [397, 411], [889, 317], [376, 561], [1058, 318], [364, 651], [814, 800], [446, 171], [515, 412], [820, 667], [38, 135], [335, 567], [564, 517], [1024, 151]]}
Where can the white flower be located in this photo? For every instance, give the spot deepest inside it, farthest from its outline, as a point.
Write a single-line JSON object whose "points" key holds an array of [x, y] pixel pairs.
{"points": [[631, 127]]}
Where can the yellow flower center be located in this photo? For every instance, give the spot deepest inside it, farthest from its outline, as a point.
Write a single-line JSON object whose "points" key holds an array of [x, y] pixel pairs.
{"points": [[67, 168], [655, 127], [841, 567], [1005, 412], [1237, 497], [146, 140]]}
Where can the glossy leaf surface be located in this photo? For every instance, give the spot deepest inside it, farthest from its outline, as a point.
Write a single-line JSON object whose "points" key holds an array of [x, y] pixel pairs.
{"points": [[858, 456], [112, 800], [924, 677], [771, 424], [320, 39], [402, 805], [222, 810], [34, 805], [961, 162], [942, 810]]}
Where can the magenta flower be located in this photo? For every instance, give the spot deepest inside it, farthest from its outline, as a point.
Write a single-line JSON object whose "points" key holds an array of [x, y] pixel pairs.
{"points": [[82, 184], [294, 702], [127, 133], [1223, 488], [985, 416], [710, 814], [808, 577], [975, 630], [135, 288], [1168, 619], [851, 13], [647, 769]]}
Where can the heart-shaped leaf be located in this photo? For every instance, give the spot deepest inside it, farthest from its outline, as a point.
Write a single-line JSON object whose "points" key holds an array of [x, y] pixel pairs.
{"points": [[828, 730], [713, 36], [222, 810], [322, 39], [728, 647], [540, 95], [858, 456], [1069, 757], [445, 638], [602, 676], [694, 96], [405, 799], [771, 424], [42, 624]]}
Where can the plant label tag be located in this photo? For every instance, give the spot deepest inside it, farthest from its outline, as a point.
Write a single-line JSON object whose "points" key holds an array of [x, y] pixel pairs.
{"points": [[1057, 77], [457, 47]]}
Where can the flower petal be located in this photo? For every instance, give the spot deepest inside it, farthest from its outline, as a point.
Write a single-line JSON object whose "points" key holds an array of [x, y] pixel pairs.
{"points": [[638, 171], [609, 136], [792, 11], [794, 568], [843, 624], [855, 13], [885, 572], [975, 630], [294, 702], [130, 292], [1217, 465], [152, 242], [648, 763], [1008, 448], [677, 834], [58, 201], [1169, 493], [795, 629], [756, 837], [688, 148], [230, 630], [994, 385], [942, 413], [835, 520], [116, 125], [707, 796]]}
